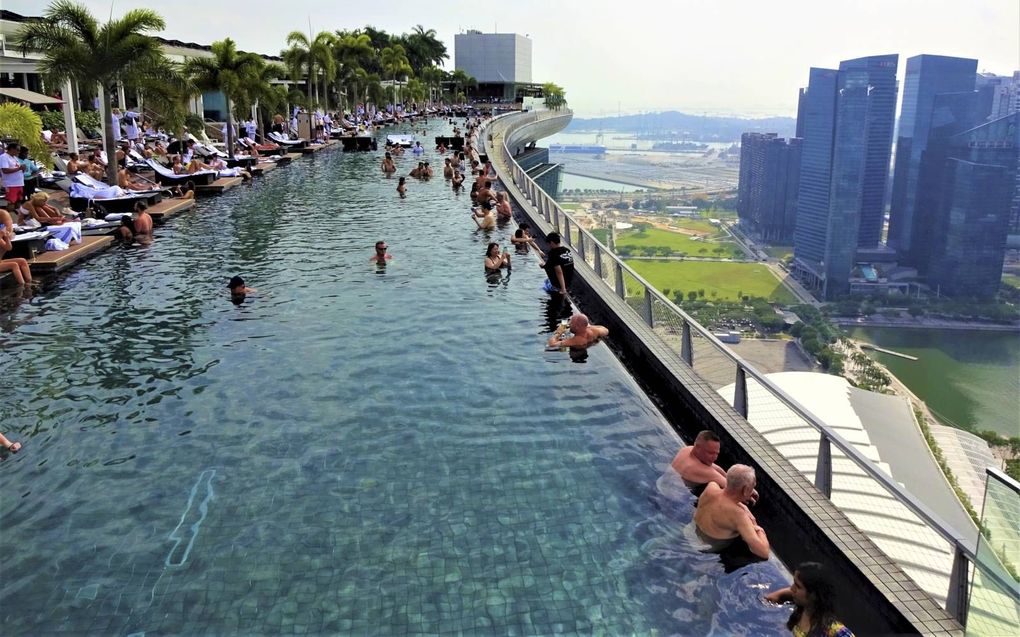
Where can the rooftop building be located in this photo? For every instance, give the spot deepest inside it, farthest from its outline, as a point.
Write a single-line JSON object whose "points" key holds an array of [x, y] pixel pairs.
{"points": [[500, 62]]}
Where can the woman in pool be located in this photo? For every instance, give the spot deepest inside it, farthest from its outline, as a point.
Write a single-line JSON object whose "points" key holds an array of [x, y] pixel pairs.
{"points": [[402, 187], [387, 164], [494, 260], [814, 599]]}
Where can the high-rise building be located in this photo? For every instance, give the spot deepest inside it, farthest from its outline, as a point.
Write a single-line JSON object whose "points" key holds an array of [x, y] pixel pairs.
{"points": [[500, 62], [927, 76], [969, 180], [847, 124], [767, 191], [1000, 94]]}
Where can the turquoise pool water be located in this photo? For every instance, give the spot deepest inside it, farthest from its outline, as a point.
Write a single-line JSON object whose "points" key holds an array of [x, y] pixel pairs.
{"points": [[351, 451]]}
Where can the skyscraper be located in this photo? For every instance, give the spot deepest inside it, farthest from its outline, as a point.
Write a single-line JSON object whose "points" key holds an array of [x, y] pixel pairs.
{"points": [[926, 77], [969, 182], [767, 191], [847, 123]]}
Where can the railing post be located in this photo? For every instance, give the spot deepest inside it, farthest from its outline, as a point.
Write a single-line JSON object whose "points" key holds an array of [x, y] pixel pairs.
{"points": [[580, 244], [956, 600], [649, 318], [548, 215], [740, 392], [598, 261], [566, 230], [823, 467], [621, 289], [556, 218], [686, 346]]}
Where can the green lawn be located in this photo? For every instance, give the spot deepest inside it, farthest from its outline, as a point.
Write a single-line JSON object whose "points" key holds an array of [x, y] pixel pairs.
{"points": [[570, 207], [1011, 279], [677, 242], [727, 280], [697, 225]]}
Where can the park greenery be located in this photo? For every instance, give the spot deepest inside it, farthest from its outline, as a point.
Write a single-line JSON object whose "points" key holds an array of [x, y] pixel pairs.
{"points": [[717, 280], [1003, 310], [646, 240]]}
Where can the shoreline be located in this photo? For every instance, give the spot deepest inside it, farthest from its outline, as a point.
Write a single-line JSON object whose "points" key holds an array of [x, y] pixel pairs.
{"points": [[941, 325]]}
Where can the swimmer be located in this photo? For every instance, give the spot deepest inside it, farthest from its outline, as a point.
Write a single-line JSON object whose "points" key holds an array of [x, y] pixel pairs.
{"points": [[696, 465], [813, 594], [381, 256], [402, 187], [503, 209], [387, 165], [143, 220], [447, 169], [238, 290], [483, 217], [583, 333], [722, 516], [457, 181], [494, 260], [522, 240]]}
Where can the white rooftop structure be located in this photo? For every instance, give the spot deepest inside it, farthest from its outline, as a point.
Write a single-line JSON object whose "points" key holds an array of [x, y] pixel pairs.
{"points": [[921, 552], [499, 58]]}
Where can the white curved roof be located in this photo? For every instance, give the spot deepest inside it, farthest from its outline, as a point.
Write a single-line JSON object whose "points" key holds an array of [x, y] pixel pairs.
{"points": [[920, 551]]}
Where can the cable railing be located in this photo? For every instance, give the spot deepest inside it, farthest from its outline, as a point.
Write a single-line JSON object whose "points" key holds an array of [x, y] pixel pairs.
{"points": [[708, 357]]}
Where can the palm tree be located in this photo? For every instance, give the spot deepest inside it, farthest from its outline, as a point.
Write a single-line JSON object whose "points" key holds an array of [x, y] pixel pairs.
{"points": [[432, 76], [310, 57], [394, 62], [228, 71], [167, 93], [424, 49], [351, 51], [462, 81], [76, 47]]}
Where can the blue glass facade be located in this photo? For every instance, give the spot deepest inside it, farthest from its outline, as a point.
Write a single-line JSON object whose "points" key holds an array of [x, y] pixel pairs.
{"points": [[926, 77], [767, 192], [969, 180], [847, 119]]}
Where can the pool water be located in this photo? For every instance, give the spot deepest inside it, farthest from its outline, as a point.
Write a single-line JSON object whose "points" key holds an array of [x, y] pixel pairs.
{"points": [[352, 450]]}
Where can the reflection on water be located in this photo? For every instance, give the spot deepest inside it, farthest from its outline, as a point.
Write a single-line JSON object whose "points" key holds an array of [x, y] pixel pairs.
{"points": [[354, 449]]}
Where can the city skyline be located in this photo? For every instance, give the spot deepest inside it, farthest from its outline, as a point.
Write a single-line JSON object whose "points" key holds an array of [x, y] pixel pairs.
{"points": [[735, 58]]}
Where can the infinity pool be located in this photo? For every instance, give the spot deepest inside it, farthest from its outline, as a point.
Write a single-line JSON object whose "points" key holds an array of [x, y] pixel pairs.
{"points": [[353, 450]]}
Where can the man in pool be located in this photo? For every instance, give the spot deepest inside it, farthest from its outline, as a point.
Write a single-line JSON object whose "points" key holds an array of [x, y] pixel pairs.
{"points": [[380, 255], [238, 290], [582, 333], [722, 516], [696, 465]]}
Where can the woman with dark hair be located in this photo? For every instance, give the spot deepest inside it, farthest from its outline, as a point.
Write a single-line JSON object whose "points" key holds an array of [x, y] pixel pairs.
{"points": [[814, 600], [494, 260]]}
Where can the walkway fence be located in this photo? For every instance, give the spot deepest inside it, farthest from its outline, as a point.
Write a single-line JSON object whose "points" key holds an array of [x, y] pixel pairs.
{"points": [[720, 366]]}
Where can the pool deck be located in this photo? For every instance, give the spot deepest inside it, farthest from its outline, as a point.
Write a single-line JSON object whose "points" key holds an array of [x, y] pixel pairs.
{"points": [[170, 207], [221, 185], [53, 262], [49, 263]]}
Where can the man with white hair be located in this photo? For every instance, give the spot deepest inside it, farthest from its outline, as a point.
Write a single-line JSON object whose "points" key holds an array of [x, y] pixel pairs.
{"points": [[722, 516]]}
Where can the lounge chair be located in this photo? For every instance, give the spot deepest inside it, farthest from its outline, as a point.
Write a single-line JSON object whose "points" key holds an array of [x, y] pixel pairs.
{"points": [[83, 195], [86, 180], [167, 177], [287, 143]]}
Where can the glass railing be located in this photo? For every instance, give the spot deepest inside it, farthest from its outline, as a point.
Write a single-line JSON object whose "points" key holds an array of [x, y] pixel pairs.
{"points": [[995, 588], [707, 356]]}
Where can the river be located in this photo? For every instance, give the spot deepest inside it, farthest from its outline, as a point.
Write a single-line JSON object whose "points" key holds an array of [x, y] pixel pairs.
{"points": [[970, 379]]}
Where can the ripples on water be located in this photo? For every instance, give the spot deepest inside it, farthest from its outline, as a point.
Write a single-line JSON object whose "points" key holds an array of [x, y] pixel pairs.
{"points": [[352, 450]]}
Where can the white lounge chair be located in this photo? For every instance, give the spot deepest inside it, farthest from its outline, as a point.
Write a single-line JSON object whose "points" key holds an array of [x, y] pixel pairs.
{"points": [[167, 177]]}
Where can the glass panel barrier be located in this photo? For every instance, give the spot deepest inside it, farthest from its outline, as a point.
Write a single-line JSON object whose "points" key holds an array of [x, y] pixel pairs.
{"points": [[995, 588]]}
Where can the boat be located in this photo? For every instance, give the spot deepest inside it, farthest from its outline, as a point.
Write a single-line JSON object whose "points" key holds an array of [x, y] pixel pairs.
{"points": [[587, 149]]}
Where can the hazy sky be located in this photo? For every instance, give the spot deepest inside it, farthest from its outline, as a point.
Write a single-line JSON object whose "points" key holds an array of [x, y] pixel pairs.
{"points": [[716, 56]]}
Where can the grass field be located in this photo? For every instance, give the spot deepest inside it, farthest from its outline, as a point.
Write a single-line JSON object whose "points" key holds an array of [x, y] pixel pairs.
{"points": [[653, 237], [570, 207], [727, 280], [697, 225], [1011, 279]]}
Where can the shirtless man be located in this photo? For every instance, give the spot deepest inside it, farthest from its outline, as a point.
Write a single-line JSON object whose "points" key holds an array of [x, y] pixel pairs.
{"points": [[402, 187], [722, 516], [503, 209], [696, 465], [485, 192], [582, 333], [387, 164], [448, 169], [458, 180], [380, 256], [143, 220], [74, 165], [125, 181]]}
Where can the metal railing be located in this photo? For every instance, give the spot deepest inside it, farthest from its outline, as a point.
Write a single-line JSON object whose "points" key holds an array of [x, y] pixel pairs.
{"points": [[708, 357]]}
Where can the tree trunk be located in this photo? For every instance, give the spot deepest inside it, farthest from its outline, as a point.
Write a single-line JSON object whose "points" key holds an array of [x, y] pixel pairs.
{"points": [[105, 108], [230, 127]]}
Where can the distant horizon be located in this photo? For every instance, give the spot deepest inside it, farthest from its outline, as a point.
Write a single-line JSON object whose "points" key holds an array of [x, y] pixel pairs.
{"points": [[725, 58]]}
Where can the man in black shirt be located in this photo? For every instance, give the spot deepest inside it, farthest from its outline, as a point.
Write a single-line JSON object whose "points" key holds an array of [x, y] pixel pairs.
{"points": [[559, 265]]}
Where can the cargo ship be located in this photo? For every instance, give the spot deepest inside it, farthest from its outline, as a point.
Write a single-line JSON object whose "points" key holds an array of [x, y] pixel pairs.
{"points": [[586, 149]]}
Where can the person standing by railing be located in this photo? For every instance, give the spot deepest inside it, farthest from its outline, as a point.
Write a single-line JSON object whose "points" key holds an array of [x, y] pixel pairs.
{"points": [[558, 265]]}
